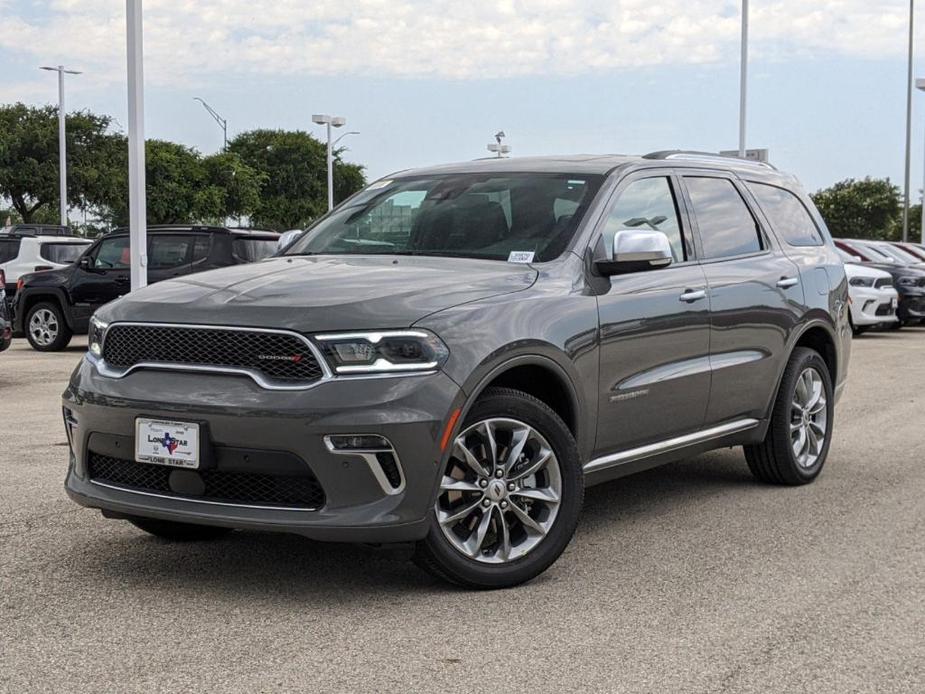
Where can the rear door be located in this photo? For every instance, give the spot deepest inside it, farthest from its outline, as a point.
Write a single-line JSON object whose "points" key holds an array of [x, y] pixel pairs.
{"points": [[654, 326], [756, 297]]}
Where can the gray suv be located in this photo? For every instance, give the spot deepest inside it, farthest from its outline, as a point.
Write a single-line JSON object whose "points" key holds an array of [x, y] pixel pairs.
{"points": [[453, 353]]}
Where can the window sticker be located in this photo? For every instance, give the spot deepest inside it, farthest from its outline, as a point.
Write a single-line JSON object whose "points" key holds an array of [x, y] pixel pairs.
{"points": [[521, 257]]}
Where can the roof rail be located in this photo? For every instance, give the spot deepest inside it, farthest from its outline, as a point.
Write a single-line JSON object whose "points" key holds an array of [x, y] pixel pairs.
{"points": [[38, 230], [707, 157]]}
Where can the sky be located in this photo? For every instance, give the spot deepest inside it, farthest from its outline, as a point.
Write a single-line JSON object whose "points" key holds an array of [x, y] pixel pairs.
{"points": [[430, 81]]}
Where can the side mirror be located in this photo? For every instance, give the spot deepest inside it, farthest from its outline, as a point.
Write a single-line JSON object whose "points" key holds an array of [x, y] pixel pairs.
{"points": [[632, 250], [287, 239], [84, 263]]}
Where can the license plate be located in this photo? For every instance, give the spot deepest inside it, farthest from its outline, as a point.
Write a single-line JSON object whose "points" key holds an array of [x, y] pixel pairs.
{"points": [[165, 442], [894, 304]]}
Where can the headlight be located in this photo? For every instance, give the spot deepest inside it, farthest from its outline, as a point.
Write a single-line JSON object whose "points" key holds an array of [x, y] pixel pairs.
{"points": [[907, 281], [392, 351], [861, 282], [95, 336]]}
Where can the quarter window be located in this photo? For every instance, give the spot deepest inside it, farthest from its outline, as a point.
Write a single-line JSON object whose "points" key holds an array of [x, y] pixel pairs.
{"points": [[788, 216], [9, 249], [727, 227], [649, 204]]}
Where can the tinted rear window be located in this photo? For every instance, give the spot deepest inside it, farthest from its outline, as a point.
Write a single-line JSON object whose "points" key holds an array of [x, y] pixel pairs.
{"points": [[63, 253], [9, 249], [251, 250]]}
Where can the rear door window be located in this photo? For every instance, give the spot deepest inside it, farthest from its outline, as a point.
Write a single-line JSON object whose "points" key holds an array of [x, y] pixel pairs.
{"points": [[9, 249], [166, 251], [787, 214], [727, 227], [62, 253]]}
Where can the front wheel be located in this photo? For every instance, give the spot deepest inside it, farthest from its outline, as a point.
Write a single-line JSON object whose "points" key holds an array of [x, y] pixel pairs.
{"points": [[800, 431], [509, 495], [46, 328]]}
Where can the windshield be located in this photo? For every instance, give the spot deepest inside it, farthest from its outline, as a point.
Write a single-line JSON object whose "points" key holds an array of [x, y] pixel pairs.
{"points": [[898, 253], [504, 216]]}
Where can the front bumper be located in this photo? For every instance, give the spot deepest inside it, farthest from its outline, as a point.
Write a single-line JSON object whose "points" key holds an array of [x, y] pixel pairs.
{"points": [[911, 306], [410, 411], [870, 306]]}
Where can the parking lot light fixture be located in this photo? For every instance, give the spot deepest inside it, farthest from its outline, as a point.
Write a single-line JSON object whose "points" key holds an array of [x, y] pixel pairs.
{"points": [[222, 123], [329, 122], [62, 140]]}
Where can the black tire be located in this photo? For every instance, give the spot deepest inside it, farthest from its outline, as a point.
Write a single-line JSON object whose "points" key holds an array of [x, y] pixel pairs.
{"points": [[773, 460], [178, 532], [56, 340], [438, 556], [896, 325]]}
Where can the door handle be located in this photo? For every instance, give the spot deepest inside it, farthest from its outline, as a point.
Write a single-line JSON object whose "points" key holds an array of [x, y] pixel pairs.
{"points": [[787, 282], [691, 295]]}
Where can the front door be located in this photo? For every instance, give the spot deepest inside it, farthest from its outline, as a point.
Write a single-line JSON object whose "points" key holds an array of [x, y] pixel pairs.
{"points": [[105, 278], [654, 328]]}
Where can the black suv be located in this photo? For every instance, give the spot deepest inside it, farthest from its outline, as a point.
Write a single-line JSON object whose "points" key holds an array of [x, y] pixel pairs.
{"points": [[453, 353], [51, 306]]}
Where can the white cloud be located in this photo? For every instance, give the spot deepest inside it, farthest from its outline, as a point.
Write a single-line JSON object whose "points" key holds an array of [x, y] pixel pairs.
{"points": [[189, 41]]}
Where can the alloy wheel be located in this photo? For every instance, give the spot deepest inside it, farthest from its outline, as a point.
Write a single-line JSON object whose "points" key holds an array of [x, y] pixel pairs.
{"points": [[500, 491], [808, 418], [43, 327]]}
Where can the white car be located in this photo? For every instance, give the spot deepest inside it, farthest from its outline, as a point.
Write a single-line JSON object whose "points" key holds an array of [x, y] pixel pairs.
{"points": [[871, 295], [23, 251]]}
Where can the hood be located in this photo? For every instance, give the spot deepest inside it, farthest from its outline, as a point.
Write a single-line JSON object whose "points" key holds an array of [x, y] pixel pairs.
{"points": [[322, 293], [859, 270]]}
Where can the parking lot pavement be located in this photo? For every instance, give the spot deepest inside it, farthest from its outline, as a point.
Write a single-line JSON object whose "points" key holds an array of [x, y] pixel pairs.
{"points": [[687, 578]]}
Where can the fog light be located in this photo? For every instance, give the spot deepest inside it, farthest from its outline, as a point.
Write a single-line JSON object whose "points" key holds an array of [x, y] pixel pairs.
{"points": [[358, 442]]}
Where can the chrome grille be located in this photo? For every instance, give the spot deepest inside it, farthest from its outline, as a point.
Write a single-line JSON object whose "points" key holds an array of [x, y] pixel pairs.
{"points": [[277, 357]]}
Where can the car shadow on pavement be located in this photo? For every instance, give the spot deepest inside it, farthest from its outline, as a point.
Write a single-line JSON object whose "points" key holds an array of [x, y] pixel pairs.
{"points": [[294, 569]]}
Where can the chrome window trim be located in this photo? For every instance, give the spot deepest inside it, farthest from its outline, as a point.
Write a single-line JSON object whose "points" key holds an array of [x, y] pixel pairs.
{"points": [[172, 497], [669, 445]]}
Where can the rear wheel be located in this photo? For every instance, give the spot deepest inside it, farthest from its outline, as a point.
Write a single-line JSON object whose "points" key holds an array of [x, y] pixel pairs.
{"points": [[797, 442], [178, 532], [509, 496], [46, 328]]}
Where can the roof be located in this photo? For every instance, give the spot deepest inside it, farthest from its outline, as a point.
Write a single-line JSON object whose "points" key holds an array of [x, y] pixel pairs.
{"points": [[601, 164]]}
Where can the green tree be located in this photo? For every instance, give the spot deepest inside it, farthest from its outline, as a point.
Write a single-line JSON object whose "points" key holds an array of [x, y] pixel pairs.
{"points": [[293, 168], [865, 209], [29, 159], [183, 187]]}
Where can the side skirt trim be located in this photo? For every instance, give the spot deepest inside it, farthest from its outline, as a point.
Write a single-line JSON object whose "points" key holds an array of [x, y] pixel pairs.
{"points": [[668, 445]]}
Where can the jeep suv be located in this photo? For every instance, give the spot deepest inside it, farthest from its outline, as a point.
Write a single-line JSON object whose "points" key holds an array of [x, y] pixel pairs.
{"points": [[52, 306], [33, 248], [453, 353]]}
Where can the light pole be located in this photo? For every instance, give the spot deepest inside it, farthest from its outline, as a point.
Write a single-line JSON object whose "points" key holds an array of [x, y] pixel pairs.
{"points": [[329, 121], [222, 123], [920, 84], [62, 141], [743, 79], [497, 147], [908, 122], [137, 203]]}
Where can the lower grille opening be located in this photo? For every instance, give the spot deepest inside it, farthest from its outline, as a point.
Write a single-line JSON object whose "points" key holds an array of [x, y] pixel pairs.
{"points": [[245, 488]]}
